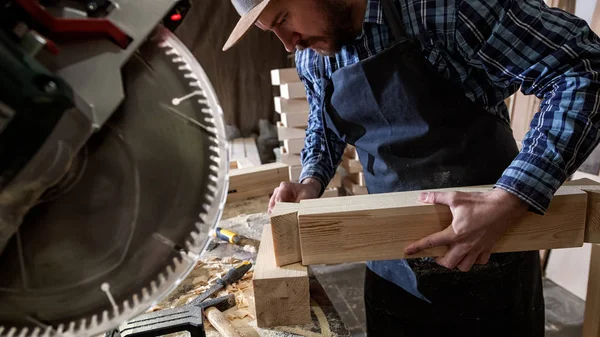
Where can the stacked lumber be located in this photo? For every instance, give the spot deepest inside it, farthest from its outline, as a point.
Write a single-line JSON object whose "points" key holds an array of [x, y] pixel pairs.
{"points": [[292, 107], [245, 151], [354, 180], [255, 181]]}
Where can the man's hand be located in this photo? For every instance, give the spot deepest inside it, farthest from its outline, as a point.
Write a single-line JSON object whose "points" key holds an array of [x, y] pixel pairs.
{"points": [[294, 192], [479, 220]]}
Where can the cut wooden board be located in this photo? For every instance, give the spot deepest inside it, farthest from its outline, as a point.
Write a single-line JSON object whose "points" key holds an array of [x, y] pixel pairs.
{"points": [[331, 193], [569, 268], [255, 181], [351, 152], [336, 181], [352, 188], [237, 149], [281, 294], [293, 146], [284, 105], [358, 178], [380, 226], [283, 76], [251, 151], [295, 172], [296, 119], [284, 133], [351, 165], [591, 322], [293, 90], [289, 158], [284, 227]]}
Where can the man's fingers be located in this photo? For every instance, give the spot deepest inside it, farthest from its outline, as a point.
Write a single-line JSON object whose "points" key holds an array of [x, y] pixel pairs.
{"points": [[272, 201], [453, 257], [286, 193], [444, 198], [442, 238], [483, 258], [467, 262]]}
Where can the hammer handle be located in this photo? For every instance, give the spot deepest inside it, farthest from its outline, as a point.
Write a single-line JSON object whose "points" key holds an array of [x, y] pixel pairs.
{"points": [[221, 323]]}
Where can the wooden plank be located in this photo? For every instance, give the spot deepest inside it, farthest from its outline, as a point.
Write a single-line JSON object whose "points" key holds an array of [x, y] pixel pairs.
{"points": [[283, 76], [351, 165], [380, 226], [352, 188], [244, 163], [255, 181], [336, 181], [330, 193], [591, 322], [296, 119], [238, 149], [281, 294], [293, 90], [233, 165], [295, 172], [284, 105], [251, 151], [284, 133], [289, 159], [284, 227], [358, 178], [293, 146], [351, 152]]}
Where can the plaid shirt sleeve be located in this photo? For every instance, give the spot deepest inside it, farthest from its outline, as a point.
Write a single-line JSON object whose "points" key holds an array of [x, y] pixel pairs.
{"points": [[553, 55], [317, 161]]}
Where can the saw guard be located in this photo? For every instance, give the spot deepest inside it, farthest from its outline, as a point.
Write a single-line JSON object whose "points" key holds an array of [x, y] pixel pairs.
{"points": [[132, 225]]}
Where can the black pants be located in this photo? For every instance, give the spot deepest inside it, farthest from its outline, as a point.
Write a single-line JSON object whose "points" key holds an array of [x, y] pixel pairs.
{"points": [[504, 299]]}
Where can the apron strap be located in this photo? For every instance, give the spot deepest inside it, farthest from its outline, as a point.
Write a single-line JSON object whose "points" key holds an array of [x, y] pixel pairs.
{"points": [[394, 19]]}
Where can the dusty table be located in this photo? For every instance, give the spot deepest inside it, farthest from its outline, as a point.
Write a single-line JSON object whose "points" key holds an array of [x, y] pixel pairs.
{"points": [[247, 218]]}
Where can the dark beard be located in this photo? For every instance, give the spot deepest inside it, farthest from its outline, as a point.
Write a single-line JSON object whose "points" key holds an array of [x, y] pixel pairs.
{"points": [[340, 31]]}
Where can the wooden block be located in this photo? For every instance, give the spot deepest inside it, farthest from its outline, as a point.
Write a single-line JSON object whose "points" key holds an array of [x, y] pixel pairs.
{"points": [[295, 172], [591, 322], [293, 146], [336, 181], [284, 133], [351, 165], [255, 181], [237, 149], [284, 105], [251, 151], [289, 158], [352, 188], [331, 193], [233, 165], [284, 226], [281, 294], [358, 178], [293, 90], [380, 226], [283, 76], [351, 152], [296, 119]]}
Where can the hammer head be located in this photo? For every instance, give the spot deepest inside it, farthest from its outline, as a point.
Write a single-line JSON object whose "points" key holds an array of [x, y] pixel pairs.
{"points": [[222, 303]]}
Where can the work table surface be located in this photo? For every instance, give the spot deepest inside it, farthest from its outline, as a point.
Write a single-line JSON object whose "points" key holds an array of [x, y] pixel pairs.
{"points": [[248, 218]]}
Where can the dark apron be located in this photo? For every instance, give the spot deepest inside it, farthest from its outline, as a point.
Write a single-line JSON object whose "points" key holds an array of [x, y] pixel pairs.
{"points": [[414, 130]]}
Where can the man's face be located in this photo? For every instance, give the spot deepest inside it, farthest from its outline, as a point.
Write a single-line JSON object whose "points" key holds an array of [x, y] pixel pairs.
{"points": [[322, 25]]}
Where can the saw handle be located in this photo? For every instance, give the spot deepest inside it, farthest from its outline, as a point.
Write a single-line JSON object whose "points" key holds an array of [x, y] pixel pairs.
{"points": [[221, 323], [235, 274]]}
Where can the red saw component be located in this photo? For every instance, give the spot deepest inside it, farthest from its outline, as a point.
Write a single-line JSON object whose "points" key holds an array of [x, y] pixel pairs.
{"points": [[81, 27]]}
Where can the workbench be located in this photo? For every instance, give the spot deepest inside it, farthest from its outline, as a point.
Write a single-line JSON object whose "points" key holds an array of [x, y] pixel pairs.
{"points": [[248, 218]]}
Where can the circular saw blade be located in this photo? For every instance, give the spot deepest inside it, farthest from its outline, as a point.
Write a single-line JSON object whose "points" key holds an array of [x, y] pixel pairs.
{"points": [[130, 222]]}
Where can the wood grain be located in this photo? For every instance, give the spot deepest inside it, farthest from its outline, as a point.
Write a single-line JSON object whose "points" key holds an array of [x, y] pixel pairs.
{"points": [[284, 105], [255, 181], [283, 76], [380, 226], [284, 227], [281, 294], [591, 322]]}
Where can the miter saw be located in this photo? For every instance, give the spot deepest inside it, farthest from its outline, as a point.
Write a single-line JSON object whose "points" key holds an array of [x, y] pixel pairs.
{"points": [[113, 162]]}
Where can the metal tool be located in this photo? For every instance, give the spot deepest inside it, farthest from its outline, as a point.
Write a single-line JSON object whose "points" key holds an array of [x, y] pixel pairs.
{"points": [[186, 318], [113, 163], [226, 235]]}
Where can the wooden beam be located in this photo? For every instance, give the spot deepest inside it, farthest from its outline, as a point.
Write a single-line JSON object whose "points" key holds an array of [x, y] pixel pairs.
{"points": [[251, 151], [293, 146], [296, 119], [352, 188], [284, 133], [284, 227], [358, 178], [335, 182], [331, 192], [290, 159], [284, 105], [351, 165], [255, 181], [281, 294], [293, 90], [591, 322], [295, 172], [283, 76]]}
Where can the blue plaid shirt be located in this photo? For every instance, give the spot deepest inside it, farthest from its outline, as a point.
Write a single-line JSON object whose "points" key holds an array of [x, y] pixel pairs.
{"points": [[489, 48]]}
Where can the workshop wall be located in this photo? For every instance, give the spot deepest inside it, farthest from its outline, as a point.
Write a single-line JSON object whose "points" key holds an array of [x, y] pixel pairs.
{"points": [[240, 76]]}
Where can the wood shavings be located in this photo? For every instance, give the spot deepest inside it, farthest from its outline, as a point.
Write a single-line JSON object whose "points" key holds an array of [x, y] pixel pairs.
{"points": [[229, 260], [238, 314], [201, 280], [249, 248]]}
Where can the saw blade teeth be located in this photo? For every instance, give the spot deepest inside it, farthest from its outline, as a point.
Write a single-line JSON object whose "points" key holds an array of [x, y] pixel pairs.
{"points": [[105, 317], [172, 51], [94, 322], [49, 331], [161, 279], [214, 168], [11, 332], [60, 329], [2, 328], [71, 329], [136, 300], [35, 333], [153, 287], [82, 326], [23, 332], [126, 306], [145, 294]]}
